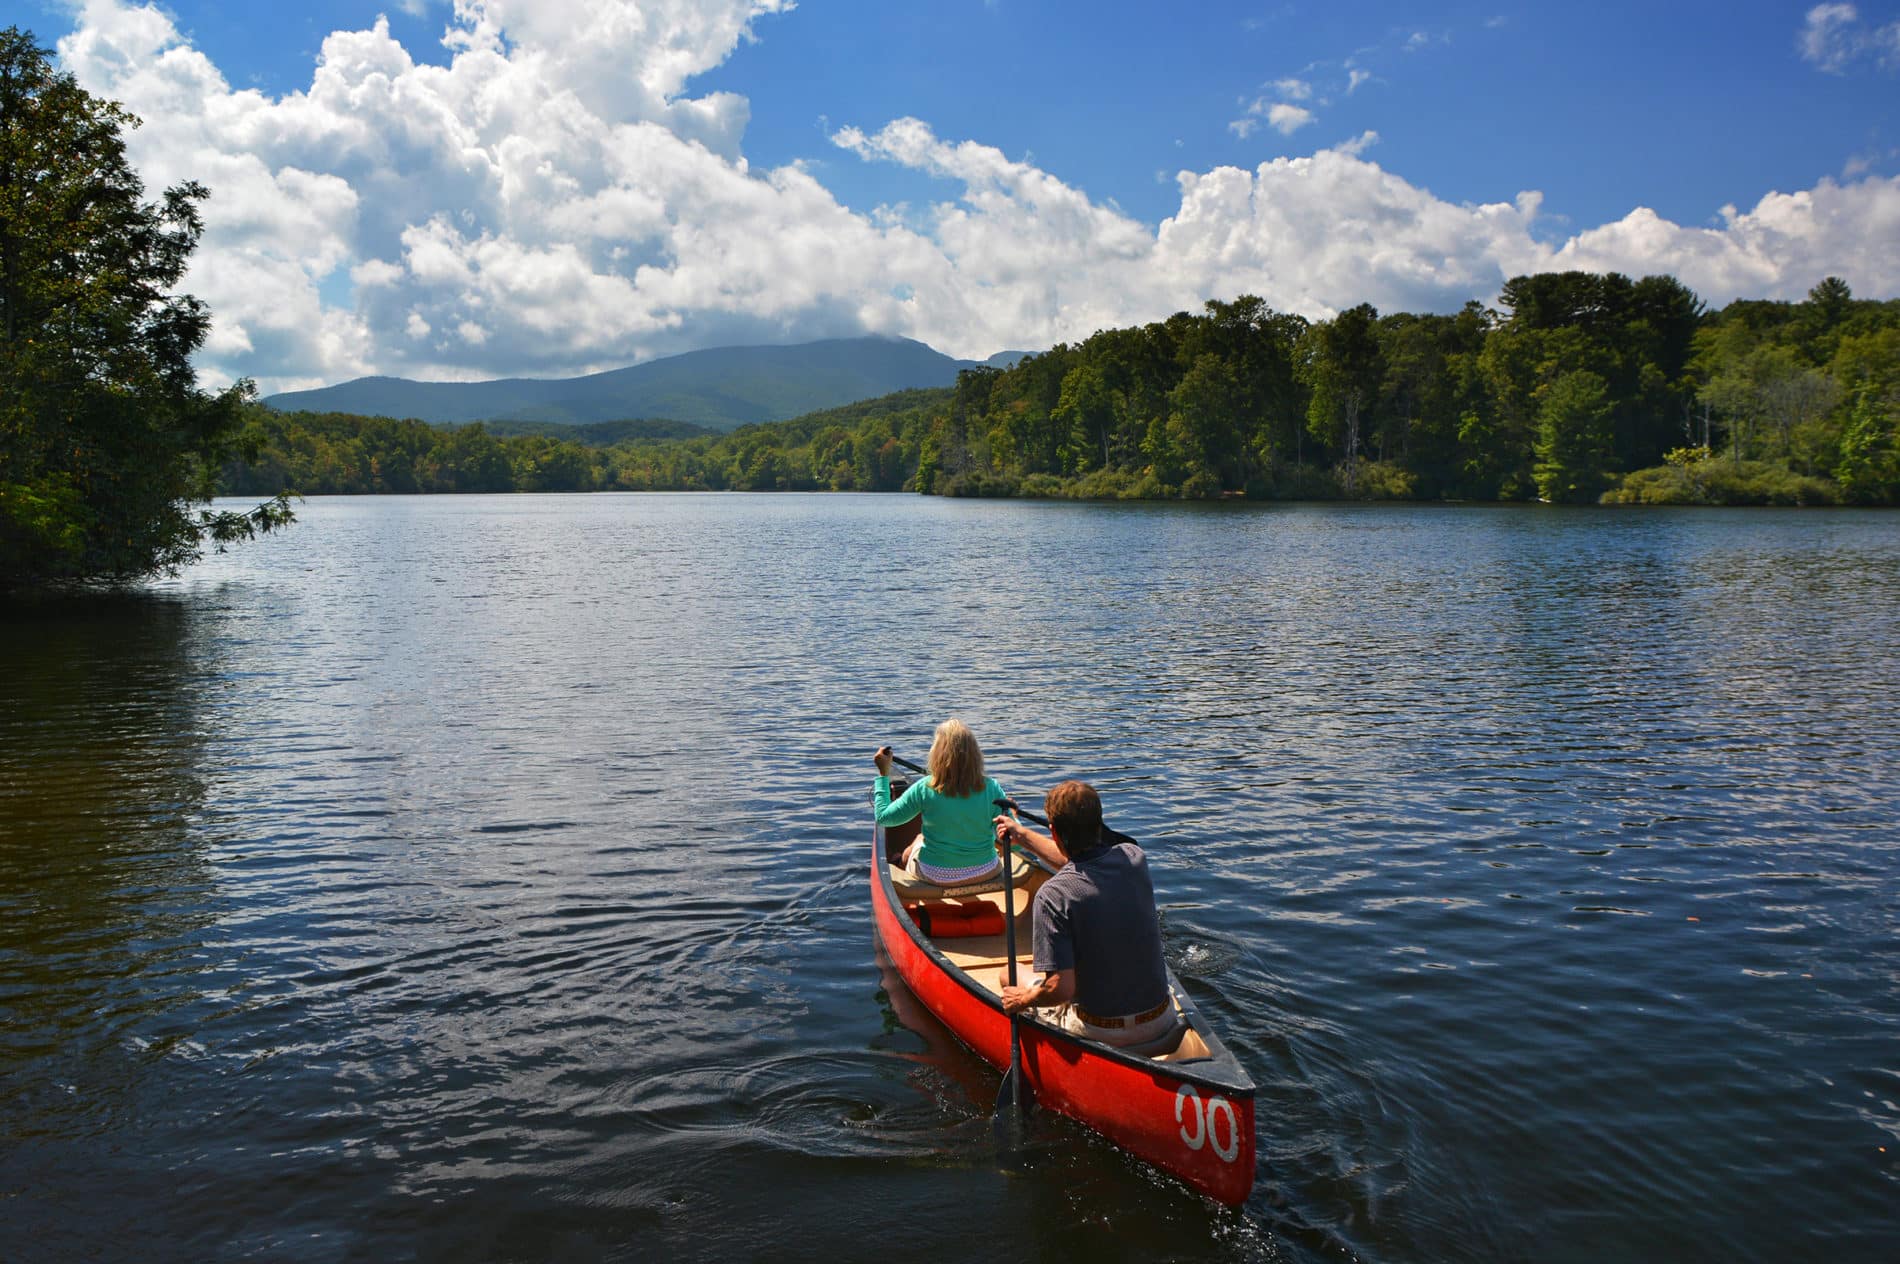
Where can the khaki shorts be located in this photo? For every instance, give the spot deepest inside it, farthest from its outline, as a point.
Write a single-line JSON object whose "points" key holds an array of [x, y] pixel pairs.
{"points": [[1070, 1020]]}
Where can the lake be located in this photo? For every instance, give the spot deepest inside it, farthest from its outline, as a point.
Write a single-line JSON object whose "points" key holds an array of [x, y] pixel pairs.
{"points": [[484, 878]]}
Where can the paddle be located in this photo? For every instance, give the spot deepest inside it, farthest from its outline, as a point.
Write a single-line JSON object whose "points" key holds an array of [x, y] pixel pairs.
{"points": [[901, 762], [1108, 835], [1012, 1099]]}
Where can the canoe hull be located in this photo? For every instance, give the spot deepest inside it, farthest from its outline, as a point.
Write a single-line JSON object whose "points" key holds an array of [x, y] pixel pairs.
{"points": [[1194, 1120]]}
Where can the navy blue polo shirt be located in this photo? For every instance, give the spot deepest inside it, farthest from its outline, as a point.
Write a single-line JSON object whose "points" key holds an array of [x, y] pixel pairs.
{"points": [[1096, 916]]}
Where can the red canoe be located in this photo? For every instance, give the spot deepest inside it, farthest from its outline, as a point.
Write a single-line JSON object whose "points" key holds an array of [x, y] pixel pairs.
{"points": [[1187, 1109]]}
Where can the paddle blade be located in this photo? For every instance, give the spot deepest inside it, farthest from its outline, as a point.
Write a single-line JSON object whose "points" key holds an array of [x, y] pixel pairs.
{"points": [[1011, 1122]]}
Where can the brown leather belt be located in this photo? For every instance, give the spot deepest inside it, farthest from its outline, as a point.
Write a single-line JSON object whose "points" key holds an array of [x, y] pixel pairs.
{"points": [[1132, 1020]]}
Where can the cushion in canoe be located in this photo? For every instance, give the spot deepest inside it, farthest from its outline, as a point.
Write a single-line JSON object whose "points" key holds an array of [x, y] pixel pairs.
{"points": [[952, 919], [910, 889]]}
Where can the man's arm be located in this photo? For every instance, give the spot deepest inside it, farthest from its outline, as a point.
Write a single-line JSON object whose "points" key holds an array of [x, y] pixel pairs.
{"points": [[1010, 833], [1056, 988]]}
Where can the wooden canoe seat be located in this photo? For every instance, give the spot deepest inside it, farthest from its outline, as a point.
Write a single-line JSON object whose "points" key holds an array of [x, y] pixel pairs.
{"points": [[983, 959], [910, 889]]}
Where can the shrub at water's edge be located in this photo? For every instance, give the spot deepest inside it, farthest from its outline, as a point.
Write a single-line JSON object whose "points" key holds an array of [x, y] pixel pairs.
{"points": [[1693, 476]]}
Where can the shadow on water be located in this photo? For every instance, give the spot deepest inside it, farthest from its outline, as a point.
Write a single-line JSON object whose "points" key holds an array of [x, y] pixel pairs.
{"points": [[105, 891]]}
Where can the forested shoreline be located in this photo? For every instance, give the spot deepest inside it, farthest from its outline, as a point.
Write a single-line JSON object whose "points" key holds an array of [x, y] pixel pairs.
{"points": [[1579, 388]]}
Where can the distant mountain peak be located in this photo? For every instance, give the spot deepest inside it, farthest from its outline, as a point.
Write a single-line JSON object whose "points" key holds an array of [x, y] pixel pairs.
{"points": [[718, 387]]}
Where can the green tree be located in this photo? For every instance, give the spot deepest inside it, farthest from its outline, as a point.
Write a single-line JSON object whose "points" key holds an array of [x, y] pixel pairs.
{"points": [[1869, 471], [1817, 324], [108, 447], [1200, 427], [1767, 394], [1432, 381], [831, 459], [1831, 299], [1414, 381], [1259, 346], [1575, 442], [1652, 349], [1869, 361], [1085, 411], [472, 461], [1341, 364], [927, 466]]}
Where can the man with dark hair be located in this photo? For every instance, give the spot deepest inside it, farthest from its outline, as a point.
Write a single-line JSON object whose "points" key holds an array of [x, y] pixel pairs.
{"points": [[1097, 936]]}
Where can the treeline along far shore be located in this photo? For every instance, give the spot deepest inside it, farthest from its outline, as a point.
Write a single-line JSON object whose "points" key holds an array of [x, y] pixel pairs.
{"points": [[1578, 388]]}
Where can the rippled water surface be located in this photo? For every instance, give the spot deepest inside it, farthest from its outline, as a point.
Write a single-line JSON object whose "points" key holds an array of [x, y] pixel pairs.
{"points": [[484, 879]]}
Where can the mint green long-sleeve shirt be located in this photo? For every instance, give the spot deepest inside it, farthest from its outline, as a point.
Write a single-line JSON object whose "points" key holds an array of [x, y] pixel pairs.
{"points": [[958, 833]]}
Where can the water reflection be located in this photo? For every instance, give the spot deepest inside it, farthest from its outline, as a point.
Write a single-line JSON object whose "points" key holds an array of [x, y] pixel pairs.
{"points": [[106, 898], [104, 885], [944, 1063]]}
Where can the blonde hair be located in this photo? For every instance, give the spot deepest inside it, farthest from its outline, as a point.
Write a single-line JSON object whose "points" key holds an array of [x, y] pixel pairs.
{"points": [[956, 762]]}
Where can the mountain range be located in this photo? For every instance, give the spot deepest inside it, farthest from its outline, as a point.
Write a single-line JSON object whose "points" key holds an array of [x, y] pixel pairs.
{"points": [[720, 388]]}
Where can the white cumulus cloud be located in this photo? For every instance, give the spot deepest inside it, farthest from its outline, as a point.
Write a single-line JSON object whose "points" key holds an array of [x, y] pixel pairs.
{"points": [[1833, 37], [1845, 230], [1282, 116], [556, 200], [1826, 37], [1358, 144], [486, 195], [1287, 119]]}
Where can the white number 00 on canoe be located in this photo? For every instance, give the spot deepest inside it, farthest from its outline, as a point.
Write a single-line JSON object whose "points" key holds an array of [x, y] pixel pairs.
{"points": [[1201, 1122]]}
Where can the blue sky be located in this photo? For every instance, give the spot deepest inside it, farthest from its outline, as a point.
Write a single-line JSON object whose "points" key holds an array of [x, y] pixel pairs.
{"points": [[1681, 107], [976, 174]]}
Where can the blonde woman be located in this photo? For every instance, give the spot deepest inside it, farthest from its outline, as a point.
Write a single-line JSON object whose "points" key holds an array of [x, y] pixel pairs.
{"points": [[958, 804]]}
